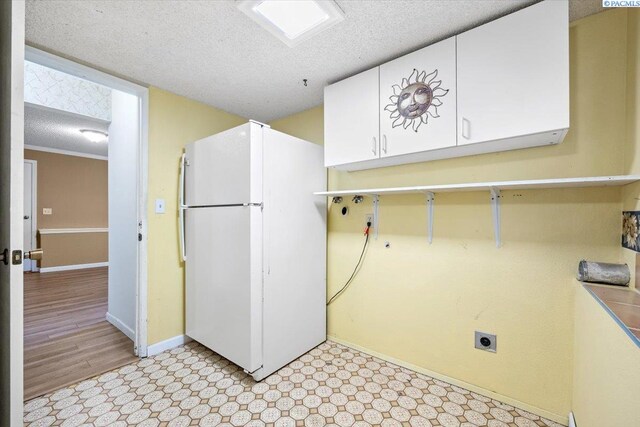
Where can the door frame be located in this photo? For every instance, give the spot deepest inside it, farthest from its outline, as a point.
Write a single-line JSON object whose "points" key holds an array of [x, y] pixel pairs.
{"points": [[47, 59], [12, 190], [34, 210]]}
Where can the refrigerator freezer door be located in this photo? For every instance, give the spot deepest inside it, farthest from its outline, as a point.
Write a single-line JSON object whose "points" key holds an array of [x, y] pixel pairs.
{"points": [[226, 168], [224, 282]]}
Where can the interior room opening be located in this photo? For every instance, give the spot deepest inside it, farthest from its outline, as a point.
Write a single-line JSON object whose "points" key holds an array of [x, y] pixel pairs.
{"points": [[80, 210]]}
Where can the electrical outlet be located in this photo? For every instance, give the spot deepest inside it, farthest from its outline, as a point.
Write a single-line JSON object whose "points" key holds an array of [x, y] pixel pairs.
{"points": [[47, 211], [487, 342], [368, 218]]}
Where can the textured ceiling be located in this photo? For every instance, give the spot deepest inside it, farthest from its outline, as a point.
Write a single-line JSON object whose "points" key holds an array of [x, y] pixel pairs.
{"points": [[60, 130], [212, 52]]}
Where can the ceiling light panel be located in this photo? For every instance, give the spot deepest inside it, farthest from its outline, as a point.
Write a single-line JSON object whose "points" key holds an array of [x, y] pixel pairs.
{"points": [[293, 21], [94, 135]]}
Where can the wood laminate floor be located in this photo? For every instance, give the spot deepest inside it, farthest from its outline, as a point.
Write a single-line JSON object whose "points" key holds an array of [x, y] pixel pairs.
{"points": [[66, 336]]}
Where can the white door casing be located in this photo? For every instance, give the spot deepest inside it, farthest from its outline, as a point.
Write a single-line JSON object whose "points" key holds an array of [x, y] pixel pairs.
{"points": [[11, 194], [418, 100], [141, 184], [30, 213]]}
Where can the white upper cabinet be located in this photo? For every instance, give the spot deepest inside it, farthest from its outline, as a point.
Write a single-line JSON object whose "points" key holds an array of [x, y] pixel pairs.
{"points": [[418, 100], [501, 86], [351, 125], [513, 76]]}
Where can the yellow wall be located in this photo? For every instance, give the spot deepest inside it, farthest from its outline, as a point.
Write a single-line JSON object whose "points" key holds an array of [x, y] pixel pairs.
{"points": [[173, 122], [308, 125], [606, 383], [631, 193], [632, 163], [421, 303]]}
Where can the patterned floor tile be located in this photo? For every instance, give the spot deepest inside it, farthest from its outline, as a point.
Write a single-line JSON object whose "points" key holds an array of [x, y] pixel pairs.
{"points": [[331, 385]]}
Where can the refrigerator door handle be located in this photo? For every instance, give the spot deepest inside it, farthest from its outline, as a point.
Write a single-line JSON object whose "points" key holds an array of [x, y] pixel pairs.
{"points": [[182, 208], [182, 243], [183, 163]]}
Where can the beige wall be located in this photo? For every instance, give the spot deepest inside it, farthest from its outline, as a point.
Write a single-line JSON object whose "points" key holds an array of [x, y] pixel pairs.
{"points": [[421, 303], [73, 249], [173, 122], [75, 188]]}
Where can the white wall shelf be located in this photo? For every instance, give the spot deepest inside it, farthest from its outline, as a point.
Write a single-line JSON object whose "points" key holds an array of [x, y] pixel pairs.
{"points": [[531, 184], [493, 188]]}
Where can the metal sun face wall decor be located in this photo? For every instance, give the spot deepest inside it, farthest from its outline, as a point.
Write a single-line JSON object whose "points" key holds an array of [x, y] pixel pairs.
{"points": [[631, 230], [417, 98]]}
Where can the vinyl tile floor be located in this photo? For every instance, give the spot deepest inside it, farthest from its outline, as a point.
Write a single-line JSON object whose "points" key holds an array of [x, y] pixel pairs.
{"points": [[330, 385]]}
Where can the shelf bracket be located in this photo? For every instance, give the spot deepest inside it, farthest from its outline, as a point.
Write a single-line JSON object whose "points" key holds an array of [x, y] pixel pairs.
{"points": [[430, 202], [376, 201], [495, 207]]}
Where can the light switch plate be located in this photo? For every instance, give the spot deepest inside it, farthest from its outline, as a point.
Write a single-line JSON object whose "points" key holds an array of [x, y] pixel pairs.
{"points": [[47, 211], [159, 206]]}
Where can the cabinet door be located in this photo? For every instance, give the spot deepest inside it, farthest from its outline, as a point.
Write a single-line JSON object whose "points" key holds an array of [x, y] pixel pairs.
{"points": [[513, 75], [351, 119], [418, 100]]}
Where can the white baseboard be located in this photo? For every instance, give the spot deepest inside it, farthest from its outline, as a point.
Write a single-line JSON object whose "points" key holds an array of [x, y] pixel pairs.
{"points": [[513, 402], [73, 267], [167, 344], [572, 420], [120, 325]]}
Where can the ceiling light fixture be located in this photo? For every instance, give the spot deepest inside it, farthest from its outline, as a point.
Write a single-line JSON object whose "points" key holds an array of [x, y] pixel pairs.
{"points": [[94, 135], [293, 21]]}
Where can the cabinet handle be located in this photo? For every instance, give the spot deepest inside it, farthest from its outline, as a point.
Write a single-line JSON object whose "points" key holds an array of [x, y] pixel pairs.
{"points": [[466, 128], [384, 143], [374, 147]]}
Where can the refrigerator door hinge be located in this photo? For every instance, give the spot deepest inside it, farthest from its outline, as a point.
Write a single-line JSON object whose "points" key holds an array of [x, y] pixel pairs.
{"points": [[264, 125], [254, 371]]}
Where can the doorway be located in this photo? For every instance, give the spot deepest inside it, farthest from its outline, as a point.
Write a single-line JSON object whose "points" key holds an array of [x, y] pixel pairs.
{"points": [[12, 45], [84, 205]]}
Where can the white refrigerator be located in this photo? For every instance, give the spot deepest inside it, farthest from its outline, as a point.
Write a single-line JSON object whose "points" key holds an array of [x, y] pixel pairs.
{"points": [[253, 239]]}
